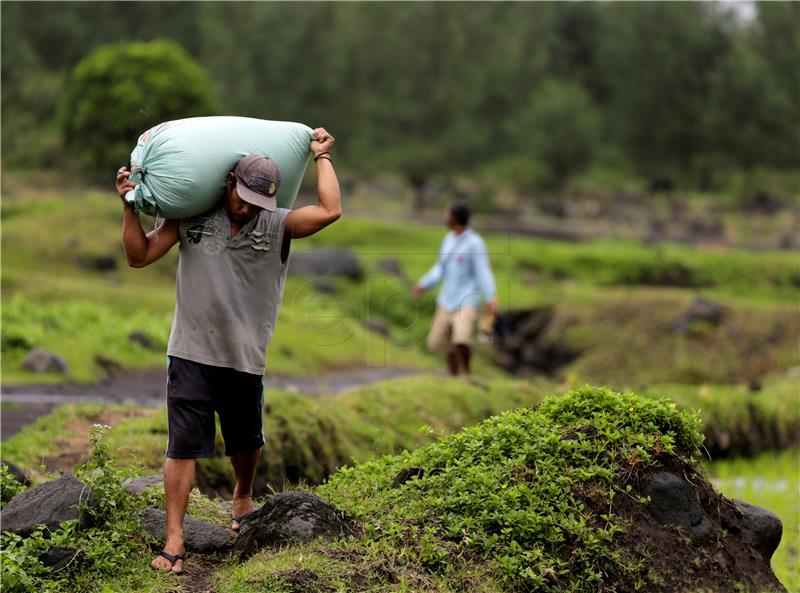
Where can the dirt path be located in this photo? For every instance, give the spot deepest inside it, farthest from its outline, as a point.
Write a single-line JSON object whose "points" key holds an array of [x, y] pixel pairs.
{"points": [[199, 577], [22, 404]]}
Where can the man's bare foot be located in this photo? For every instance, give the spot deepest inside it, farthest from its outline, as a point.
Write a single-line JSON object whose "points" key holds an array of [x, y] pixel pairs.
{"points": [[242, 505], [170, 559]]}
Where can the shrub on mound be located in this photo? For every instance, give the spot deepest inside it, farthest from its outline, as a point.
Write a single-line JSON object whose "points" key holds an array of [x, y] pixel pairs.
{"points": [[539, 498]]}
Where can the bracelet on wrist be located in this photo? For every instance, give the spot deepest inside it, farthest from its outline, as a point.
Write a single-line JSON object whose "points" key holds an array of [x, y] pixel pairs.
{"points": [[323, 155]]}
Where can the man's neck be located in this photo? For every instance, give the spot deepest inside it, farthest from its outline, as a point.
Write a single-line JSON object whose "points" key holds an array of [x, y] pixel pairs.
{"points": [[459, 229]]}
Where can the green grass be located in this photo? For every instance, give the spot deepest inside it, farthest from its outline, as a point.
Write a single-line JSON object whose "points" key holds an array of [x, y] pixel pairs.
{"points": [[772, 481], [604, 293]]}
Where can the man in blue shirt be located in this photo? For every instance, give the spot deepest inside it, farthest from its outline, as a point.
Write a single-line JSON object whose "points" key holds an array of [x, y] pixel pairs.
{"points": [[463, 268]]}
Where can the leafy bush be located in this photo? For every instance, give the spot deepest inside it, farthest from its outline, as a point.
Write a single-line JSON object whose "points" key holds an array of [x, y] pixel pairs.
{"points": [[101, 550], [514, 489], [120, 90]]}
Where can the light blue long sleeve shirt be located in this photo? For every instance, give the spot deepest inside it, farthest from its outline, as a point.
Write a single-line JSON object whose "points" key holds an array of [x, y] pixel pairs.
{"points": [[463, 268]]}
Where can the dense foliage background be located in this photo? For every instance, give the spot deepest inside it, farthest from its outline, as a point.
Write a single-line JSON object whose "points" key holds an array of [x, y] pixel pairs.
{"points": [[530, 93]]}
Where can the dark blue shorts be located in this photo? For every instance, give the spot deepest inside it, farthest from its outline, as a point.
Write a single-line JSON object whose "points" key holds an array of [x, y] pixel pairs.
{"points": [[195, 392]]}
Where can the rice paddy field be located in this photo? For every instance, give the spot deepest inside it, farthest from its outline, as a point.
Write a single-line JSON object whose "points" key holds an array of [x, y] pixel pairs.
{"points": [[770, 480]]}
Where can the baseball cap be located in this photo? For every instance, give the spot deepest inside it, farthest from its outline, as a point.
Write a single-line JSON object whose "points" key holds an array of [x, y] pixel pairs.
{"points": [[257, 181]]}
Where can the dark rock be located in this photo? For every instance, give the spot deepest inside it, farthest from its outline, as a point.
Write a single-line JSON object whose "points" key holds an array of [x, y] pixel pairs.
{"points": [[404, 475], [199, 536], [674, 502], [50, 504], [326, 262], [290, 517], [57, 559], [761, 528], [324, 285], [18, 474], [42, 361], [701, 310], [378, 326], [143, 340], [108, 365], [755, 385], [100, 263], [392, 267], [137, 486]]}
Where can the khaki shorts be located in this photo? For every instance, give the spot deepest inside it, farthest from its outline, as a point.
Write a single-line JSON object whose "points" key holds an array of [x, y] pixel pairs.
{"points": [[453, 328]]}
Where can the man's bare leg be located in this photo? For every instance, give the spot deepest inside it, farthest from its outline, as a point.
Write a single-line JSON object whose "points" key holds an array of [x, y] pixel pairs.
{"points": [[178, 482], [244, 468]]}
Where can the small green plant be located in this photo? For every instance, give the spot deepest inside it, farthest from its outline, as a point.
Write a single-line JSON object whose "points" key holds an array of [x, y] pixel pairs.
{"points": [[103, 542], [9, 486]]}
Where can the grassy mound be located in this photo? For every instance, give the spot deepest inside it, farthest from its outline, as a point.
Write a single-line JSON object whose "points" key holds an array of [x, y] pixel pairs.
{"points": [[530, 500]]}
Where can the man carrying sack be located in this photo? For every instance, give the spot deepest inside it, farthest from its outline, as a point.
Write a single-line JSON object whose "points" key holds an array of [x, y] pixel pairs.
{"points": [[231, 272]]}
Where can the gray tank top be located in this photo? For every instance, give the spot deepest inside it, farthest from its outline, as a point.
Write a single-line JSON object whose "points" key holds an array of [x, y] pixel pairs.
{"points": [[228, 290]]}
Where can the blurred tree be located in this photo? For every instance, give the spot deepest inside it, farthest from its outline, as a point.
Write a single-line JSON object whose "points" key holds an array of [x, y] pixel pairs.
{"points": [[777, 40], [120, 90], [557, 128], [658, 59], [435, 91]]}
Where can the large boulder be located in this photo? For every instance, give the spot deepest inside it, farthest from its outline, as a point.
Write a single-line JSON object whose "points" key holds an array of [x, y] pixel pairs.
{"points": [[325, 262], [50, 504], [41, 361], [674, 502], [199, 536], [290, 517], [762, 529]]}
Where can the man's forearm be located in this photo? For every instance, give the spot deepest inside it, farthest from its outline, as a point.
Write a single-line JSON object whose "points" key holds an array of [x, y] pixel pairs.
{"points": [[133, 236], [328, 193]]}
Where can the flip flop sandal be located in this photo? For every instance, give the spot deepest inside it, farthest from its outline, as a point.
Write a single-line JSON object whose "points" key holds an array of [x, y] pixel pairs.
{"points": [[238, 518], [173, 558]]}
